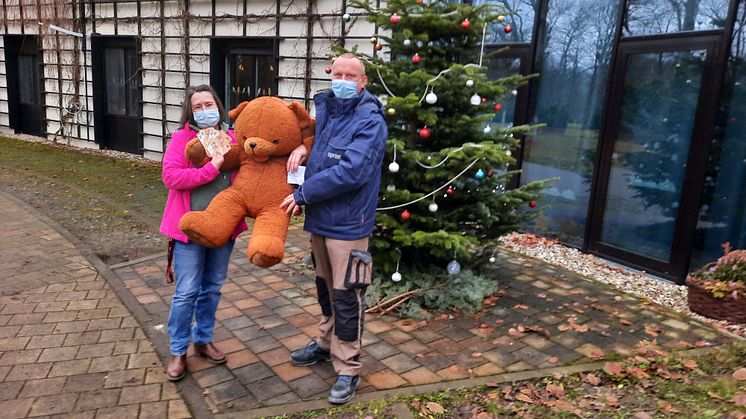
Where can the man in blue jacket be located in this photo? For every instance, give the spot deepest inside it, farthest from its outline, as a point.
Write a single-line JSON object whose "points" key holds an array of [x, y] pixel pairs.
{"points": [[340, 193]]}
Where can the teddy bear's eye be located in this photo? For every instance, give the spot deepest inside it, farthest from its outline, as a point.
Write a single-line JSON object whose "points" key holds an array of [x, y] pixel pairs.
{"points": [[276, 141]]}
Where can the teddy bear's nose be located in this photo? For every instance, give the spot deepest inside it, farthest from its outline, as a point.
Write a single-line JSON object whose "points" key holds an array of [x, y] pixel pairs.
{"points": [[252, 145]]}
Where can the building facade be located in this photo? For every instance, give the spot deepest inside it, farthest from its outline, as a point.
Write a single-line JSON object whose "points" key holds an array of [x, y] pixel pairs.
{"points": [[641, 101]]}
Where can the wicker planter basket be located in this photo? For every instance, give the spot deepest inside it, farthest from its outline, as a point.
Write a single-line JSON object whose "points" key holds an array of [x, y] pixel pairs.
{"points": [[703, 302]]}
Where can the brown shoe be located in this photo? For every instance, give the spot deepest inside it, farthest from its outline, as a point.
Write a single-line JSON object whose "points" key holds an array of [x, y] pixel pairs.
{"points": [[209, 351], [177, 367]]}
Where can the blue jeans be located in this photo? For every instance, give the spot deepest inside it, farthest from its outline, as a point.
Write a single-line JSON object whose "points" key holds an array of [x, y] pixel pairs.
{"points": [[200, 273]]}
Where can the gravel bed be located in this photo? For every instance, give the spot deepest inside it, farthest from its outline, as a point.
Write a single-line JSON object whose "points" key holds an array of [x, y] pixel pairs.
{"points": [[639, 283]]}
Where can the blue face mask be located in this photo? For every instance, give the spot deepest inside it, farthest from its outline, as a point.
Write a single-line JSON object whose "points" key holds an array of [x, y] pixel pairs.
{"points": [[207, 118], [344, 89]]}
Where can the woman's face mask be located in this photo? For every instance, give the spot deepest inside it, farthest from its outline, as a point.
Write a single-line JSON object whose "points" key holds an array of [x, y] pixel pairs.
{"points": [[344, 89], [207, 118]]}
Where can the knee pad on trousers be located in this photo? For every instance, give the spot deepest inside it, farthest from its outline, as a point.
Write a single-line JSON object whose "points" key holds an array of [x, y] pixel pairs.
{"points": [[323, 296], [349, 315]]}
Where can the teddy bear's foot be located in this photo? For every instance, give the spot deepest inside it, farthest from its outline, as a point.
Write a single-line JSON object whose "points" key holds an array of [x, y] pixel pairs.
{"points": [[266, 251], [200, 229]]}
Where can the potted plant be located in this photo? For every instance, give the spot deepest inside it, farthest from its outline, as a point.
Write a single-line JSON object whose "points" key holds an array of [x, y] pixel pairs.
{"points": [[718, 289]]}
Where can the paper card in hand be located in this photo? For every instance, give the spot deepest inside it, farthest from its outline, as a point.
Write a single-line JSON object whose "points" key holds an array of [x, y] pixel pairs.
{"points": [[214, 141]]}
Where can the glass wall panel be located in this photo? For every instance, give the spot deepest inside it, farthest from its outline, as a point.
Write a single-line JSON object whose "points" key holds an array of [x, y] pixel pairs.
{"points": [[520, 15], [573, 74], [647, 17], [661, 92], [498, 68], [723, 211], [116, 96]]}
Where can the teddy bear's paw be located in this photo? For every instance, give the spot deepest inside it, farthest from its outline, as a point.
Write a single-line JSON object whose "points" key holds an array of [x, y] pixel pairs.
{"points": [[266, 251]]}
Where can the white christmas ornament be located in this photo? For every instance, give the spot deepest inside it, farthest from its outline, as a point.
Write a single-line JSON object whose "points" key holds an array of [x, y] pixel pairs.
{"points": [[396, 277], [514, 92], [433, 207], [469, 83], [475, 99], [492, 259], [453, 267], [407, 42], [487, 129], [431, 98], [391, 187], [393, 167]]}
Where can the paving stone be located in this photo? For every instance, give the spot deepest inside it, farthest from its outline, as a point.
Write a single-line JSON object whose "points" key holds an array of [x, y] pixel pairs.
{"points": [[177, 409], [58, 354], [124, 378], [309, 386], [263, 344], [400, 363], [155, 410], [212, 376], [421, 375], [28, 371], [25, 356], [140, 394], [53, 405], [98, 399], [241, 358], [381, 350], [84, 382], [253, 373], [120, 412], [42, 387], [385, 380], [16, 408], [268, 388]]}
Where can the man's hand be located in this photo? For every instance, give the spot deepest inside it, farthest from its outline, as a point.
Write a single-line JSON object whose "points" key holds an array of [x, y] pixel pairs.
{"points": [[296, 157], [290, 206]]}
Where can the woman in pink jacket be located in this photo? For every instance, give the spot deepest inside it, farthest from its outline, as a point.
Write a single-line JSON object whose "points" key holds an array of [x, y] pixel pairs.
{"points": [[200, 271]]}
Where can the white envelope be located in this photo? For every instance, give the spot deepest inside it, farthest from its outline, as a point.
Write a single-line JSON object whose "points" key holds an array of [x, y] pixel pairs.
{"points": [[296, 178]]}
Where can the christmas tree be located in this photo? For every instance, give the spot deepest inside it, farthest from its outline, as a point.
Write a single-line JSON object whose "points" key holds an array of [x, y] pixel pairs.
{"points": [[444, 192]]}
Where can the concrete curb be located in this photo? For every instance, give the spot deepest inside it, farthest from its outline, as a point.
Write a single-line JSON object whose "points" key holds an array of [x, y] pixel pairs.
{"points": [[188, 387]]}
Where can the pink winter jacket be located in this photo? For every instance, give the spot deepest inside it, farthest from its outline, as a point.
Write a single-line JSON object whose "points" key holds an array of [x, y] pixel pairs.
{"points": [[180, 177]]}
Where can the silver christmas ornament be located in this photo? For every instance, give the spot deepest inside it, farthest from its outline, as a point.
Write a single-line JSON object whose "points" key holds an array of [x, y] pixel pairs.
{"points": [[431, 98], [433, 207], [475, 99], [396, 277], [407, 42], [453, 268], [346, 17], [393, 167], [391, 187]]}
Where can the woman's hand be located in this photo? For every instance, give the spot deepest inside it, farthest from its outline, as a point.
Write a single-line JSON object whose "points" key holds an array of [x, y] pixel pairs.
{"points": [[218, 159], [296, 157]]}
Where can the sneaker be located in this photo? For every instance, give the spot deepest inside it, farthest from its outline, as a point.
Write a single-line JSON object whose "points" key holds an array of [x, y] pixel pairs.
{"points": [[344, 389], [309, 355]]}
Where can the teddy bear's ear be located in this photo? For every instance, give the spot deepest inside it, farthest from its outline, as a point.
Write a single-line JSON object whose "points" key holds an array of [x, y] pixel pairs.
{"points": [[237, 110], [300, 111]]}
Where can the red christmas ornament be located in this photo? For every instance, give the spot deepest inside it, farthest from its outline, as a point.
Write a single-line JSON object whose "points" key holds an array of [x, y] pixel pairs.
{"points": [[508, 29], [416, 58], [419, 1], [379, 47], [465, 24], [498, 107], [489, 173], [450, 191], [395, 19], [405, 215], [532, 204], [328, 70], [484, 99], [425, 132]]}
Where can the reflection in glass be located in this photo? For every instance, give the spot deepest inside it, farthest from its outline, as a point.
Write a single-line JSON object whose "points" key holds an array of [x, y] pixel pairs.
{"points": [[28, 87], [116, 95], [248, 76], [519, 14], [498, 68], [573, 73], [645, 17], [722, 215], [661, 92]]}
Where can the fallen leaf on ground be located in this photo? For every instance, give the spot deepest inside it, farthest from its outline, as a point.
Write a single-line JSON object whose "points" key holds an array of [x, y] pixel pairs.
{"points": [[555, 390], [612, 401], [715, 396], [642, 415], [521, 306], [740, 374], [491, 384], [592, 379], [652, 330], [553, 360], [524, 398], [689, 364], [667, 407], [625, 322], [613, 368], [514, 332], [435, 407]]}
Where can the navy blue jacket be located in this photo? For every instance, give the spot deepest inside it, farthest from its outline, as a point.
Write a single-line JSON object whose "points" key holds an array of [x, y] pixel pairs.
{"points": [[343, 173]]}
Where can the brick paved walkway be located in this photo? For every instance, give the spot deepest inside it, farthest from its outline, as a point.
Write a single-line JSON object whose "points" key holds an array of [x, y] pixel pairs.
{"points": [[267, 313], [68, 346]]}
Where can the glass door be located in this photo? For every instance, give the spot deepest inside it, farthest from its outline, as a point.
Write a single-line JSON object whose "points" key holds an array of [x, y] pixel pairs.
{"points": [[647, 189]]}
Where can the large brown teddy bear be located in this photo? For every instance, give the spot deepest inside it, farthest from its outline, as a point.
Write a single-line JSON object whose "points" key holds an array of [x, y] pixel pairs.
{"points": [[267, 130]]}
